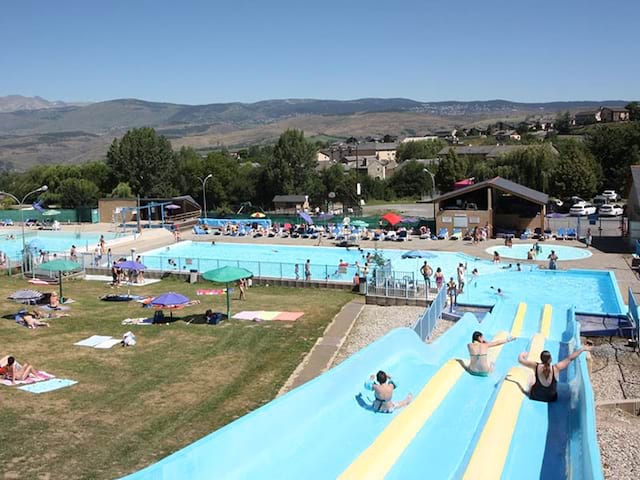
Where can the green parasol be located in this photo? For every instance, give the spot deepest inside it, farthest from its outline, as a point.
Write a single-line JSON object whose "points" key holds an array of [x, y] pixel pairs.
{"points": [[359, 224], [60, 265], [227, 275]]}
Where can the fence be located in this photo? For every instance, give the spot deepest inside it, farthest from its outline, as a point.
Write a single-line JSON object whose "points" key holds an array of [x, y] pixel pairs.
{"points": [[75, 215], [429, 319], [635, 316], [386, 282]]}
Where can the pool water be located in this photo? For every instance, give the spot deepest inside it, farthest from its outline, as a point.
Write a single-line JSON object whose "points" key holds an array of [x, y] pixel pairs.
{"points": [[50, 241], [519, 252], [589, 290]]}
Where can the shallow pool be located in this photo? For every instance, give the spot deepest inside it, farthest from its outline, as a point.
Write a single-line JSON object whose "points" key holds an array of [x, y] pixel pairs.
{"points": [[519, 251], [589, 290], [59, 241]]}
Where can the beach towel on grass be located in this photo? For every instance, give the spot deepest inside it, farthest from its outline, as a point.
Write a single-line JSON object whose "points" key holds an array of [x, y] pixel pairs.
{"points": [[48, 385], [92, 341], [246, 315], [268, 315], [56, 309], [108, 343], [289, 316], [42, 376], [138, 321]]}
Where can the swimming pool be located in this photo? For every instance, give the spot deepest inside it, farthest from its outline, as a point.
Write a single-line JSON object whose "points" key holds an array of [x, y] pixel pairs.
{"points": [[590, 291], [50, 241], [519, 252]]}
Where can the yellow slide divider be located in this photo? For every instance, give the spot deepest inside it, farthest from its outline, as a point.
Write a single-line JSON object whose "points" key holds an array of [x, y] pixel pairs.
{"points": [[545, 324], [489, 456], [380, 457], [518, 322]]}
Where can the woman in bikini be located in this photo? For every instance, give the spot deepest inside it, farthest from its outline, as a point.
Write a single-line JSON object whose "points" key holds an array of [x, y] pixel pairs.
{"points": [[383, 390], [545, 384], [478, 351], [13, 371], [439, 278]]}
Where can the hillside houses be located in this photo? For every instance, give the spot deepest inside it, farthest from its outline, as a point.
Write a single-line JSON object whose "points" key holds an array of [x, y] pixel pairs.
{"points": [[601, 115]]}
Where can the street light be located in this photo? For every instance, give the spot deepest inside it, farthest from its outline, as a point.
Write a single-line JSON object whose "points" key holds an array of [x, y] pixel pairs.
{"points": [[204, 192], [433, 181], [43, 188]]}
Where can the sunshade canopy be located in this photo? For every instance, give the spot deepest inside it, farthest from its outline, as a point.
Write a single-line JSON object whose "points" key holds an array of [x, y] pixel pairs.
{"points": [[130, 265], [392, 218], [227, 274], [169, 299]]}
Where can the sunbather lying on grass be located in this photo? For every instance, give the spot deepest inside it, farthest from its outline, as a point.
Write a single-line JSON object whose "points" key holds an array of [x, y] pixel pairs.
{"points": [[12, 370]]}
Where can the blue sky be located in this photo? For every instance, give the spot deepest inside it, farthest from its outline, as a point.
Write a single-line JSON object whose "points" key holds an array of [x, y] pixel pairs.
{"points": [[213, 51]]}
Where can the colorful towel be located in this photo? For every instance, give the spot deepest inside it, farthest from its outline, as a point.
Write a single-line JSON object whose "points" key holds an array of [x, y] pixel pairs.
{"points": [[268, 315], [289, 316], [138, 321], [92, 341], [215, 291], [42, 376], [48, 385]]}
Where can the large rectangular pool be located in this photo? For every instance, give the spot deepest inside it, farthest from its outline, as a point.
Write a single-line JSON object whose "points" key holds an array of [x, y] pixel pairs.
{"points": [[590, 291], [50, 241]]}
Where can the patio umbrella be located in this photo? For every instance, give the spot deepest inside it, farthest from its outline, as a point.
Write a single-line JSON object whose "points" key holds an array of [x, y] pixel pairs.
{"points": [[60, 266], [359, 224], [392, 218], [170, 301], [409, 220], [227, 275], [306, 217], [130, 265], [26, 296], [258, 215], [51, 213]]}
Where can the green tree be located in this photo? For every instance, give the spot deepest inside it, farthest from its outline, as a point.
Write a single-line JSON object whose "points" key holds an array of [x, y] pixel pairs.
{"points": [[615, 147], [410, 180], [563, 123], [145, 161], [531, 166], [292, 165], [122, 190], [451, 169], [78, 192], [422, 149], [634, 111], [576, 173]]}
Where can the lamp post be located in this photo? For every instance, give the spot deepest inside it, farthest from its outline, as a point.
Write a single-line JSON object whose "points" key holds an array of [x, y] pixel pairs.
{"points": [[43, 188], [204, 192], [433, 182]]}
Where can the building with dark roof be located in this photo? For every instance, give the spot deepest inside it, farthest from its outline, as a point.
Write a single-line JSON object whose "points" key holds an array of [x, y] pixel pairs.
{"points": [[508, 207], [290, 203], [602, 114], [633, 206]]}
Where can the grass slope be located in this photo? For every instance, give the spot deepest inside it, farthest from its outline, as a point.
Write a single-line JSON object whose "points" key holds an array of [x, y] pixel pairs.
{"points": [[134, 406]]}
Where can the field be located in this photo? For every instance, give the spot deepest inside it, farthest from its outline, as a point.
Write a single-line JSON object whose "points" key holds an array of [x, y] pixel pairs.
{"points": [[133, 406]]}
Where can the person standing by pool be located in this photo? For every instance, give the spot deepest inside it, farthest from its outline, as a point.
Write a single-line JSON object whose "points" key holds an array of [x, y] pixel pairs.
{"points": [[452, 292], [426, 272], [109, 258], [102, 244], [589, 238], [545, 385], [461, 274], [478, 352], [439, 278], [307, 270], [296, 271], [553, 260], [242, 287], [73, 253]]}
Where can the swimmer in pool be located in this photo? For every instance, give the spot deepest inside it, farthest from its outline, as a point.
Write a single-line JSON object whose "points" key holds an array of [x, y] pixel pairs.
{"points": [[478, 351]]}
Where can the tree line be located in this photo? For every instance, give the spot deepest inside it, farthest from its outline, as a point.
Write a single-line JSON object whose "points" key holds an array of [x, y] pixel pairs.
{"points": [[144, 163]]}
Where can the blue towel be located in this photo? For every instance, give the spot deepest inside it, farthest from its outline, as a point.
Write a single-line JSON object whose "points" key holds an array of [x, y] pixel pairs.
{"points": [[47, 385]]}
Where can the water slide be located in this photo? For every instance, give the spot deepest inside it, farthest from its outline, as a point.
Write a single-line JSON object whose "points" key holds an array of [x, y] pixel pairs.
{"points": [[458, 426]]}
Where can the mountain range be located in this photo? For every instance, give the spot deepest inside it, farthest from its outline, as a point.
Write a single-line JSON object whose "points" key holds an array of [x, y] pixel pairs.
{"points": [[34, 130]]}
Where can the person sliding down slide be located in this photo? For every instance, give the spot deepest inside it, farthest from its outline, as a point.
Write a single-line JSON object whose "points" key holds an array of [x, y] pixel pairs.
{"points": [[383, 390], [478, 352]]}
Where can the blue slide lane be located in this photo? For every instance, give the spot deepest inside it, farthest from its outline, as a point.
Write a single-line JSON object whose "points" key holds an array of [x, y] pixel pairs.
{"points": [[319, 429]]}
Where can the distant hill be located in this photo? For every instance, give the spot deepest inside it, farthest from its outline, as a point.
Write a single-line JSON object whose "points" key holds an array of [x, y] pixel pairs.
{"points": [[12, 103], [34, 130]]}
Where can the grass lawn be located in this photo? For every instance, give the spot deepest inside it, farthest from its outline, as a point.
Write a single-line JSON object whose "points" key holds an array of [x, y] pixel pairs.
{"points": [[133, 406]]}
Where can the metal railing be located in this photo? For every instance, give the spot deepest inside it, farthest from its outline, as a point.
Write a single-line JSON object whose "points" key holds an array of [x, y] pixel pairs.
{"points": [[429, 319], [635, 317]]}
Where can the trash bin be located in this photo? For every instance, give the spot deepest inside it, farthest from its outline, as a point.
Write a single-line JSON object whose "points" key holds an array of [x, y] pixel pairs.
{"points": [[193, 276]]}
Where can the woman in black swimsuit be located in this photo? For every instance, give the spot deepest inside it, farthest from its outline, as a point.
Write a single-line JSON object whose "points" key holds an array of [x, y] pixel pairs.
{"points": [[545, 386]]}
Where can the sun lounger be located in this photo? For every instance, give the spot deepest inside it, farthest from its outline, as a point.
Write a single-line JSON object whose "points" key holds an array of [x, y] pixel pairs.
{"points": [[571, 233], [457, 233], [443, 233], [526, 235], [562, 234], [199, 230]]}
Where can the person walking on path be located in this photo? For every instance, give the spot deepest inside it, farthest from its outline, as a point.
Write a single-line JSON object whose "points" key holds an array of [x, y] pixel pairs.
{"points": [[589, 238]]}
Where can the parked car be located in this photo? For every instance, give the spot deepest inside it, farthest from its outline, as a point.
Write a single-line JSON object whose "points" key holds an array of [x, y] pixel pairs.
{"points": [[599, 200], [582, 208], [610, 195], [611, 210]]}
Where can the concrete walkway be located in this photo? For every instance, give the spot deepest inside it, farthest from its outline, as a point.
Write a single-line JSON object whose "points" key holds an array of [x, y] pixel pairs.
{"points": [[321, 356]]}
